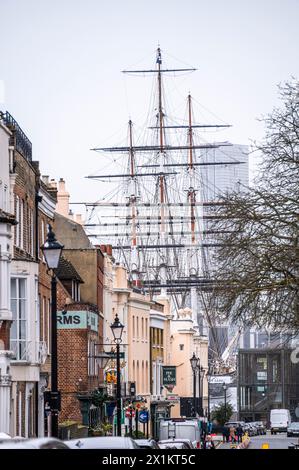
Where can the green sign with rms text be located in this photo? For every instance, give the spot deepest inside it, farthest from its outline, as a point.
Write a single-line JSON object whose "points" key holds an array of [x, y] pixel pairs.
{"points": [[77, 320]]}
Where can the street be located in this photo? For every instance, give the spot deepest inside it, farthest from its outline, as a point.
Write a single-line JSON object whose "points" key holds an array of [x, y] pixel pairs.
{"points": [[280, 441]]}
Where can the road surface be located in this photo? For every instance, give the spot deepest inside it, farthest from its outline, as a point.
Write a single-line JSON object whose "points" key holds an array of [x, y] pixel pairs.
{"points": [[278, 441]]}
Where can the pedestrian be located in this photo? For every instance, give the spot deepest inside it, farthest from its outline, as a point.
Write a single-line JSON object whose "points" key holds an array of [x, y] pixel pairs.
{"points": [[209, 443], [225, 433], [203, 430], [239, 432], [232, 435]]}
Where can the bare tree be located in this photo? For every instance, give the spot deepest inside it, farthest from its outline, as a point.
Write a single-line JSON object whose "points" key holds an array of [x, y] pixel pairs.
{"points": [[258, 257]]}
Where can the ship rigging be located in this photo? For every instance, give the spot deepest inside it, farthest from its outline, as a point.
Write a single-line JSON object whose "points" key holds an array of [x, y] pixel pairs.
{"points": [[158, 216]]}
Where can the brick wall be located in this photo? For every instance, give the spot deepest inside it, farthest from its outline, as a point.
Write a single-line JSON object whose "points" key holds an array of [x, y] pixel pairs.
{"points": [[73, 360], [73, 370], [26, 183], [44, 293]]}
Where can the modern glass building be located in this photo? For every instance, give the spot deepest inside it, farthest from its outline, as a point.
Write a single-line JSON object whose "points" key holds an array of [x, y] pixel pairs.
{"points": [[267, 379]]}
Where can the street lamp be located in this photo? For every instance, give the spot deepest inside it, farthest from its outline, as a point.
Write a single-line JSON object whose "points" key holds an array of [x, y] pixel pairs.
{"points": [[193, 362], [201, 373], [117, 331], [52, 250], [209, 373], [224, 386]]}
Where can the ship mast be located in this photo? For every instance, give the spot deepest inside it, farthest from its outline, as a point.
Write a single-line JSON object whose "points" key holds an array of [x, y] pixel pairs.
{"points": [[193, 269], [132, 200], [163, 276]]}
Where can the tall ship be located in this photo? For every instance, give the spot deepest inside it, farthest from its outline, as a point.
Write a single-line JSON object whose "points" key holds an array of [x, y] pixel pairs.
{"points": [[158, 215]]}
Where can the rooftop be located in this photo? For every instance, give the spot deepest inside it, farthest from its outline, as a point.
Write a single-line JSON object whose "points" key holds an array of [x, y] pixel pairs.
{"points": [[66, 271]]}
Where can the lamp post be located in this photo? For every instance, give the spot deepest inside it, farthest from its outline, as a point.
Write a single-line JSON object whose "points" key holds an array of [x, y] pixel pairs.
{"points": [[52, 250], [201, 373], [117, 330], [224, 386], [193, 362], [209, 391]]}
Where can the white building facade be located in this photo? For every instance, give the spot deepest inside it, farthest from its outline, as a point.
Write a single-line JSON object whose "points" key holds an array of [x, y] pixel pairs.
{"points": [[6, 223]]}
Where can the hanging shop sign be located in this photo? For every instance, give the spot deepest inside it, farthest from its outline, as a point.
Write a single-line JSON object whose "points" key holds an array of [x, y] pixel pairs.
{"points": [[169, 375]]}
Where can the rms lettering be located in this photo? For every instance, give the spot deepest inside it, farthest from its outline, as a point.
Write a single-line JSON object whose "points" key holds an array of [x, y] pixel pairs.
{"points": [[68, 319]]}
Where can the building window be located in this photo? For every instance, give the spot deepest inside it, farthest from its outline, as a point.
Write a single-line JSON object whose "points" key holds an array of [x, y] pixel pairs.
{"points": [[42, 241], [133, 321], [18, 226], [137, 378], [5, 204], [146, 377], [22, 224], [32, 233], [142, 328], [44, 318], [137, 328], [18, 334], [91, 358], [181, 347]]}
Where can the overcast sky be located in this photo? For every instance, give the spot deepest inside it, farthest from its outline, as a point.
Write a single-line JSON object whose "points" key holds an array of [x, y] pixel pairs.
{"points": [[61, 62]]}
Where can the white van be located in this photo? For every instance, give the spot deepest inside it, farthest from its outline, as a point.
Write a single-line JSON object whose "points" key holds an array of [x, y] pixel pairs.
{"points": [[180, 428], [280, 419]]}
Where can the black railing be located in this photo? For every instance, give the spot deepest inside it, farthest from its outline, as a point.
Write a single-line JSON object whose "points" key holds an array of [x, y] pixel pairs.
{"points": [[19, 140]]}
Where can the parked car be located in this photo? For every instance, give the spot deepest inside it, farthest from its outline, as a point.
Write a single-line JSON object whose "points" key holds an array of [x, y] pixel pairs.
{"points": [[104, 442], [175, 444], [147, 443], [280, 419], [251, 431], [260, 427], [293, 429], [232, 424], [37, 443], [254, 429]]}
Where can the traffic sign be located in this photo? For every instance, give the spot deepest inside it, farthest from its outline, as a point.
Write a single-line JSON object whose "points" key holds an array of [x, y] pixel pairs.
{"points": [[130, 413], [113, 355], [143, 416]]}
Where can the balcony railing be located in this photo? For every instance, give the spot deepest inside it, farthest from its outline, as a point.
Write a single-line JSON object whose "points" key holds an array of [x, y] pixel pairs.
{"points": [[21, 141]]}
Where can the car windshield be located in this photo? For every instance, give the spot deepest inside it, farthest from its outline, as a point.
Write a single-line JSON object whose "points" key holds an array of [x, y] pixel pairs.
{"points": [[295, 425]]}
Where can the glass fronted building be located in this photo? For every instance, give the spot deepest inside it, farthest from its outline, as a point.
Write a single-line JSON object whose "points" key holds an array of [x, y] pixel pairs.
{"points": [[267, 379]]}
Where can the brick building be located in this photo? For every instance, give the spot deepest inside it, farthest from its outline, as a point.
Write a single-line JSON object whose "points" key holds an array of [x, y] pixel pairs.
{"points": [[27, 333], [45, 216], [78, 338], [24, 331], [80, 297]]}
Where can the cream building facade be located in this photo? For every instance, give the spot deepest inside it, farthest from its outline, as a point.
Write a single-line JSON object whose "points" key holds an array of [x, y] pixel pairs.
{"points": [[184, 341]]}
